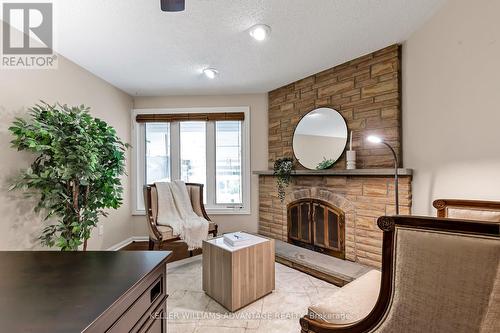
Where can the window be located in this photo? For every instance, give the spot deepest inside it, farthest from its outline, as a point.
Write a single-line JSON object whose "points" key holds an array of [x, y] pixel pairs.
{"points": [[213, 152], [157, 152], [193, 152], [228, 162]]}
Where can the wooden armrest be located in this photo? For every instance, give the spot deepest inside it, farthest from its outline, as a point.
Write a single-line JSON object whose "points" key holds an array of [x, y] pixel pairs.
{"points": [[308, 324], [149, 212], [153, 226]]}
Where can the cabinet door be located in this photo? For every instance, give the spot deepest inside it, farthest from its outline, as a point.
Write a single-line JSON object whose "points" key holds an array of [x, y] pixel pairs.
{"points": [[152, 296], [156, 320], [158, 325]]}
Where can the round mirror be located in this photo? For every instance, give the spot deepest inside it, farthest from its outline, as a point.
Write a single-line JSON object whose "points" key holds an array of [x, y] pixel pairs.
{"points": [[320, 138]]}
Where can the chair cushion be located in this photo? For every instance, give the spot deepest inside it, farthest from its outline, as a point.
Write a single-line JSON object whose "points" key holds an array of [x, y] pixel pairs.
{"points": [[167, 232], [351, 303]]}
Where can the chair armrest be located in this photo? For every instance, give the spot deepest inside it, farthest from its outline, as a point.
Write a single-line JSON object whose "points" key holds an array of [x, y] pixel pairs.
{"points": [[152, 225], [311, 325], [149, 213]]}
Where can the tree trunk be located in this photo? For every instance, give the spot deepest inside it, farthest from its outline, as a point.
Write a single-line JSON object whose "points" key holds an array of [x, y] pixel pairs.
{"points": [[76, 194]]}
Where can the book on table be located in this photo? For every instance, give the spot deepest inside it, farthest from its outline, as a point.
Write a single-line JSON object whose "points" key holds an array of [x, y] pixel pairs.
{"points": [[237, 239]]}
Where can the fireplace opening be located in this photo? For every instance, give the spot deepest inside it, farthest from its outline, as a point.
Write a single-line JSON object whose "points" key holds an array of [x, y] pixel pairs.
{"points": [[317, 225]]}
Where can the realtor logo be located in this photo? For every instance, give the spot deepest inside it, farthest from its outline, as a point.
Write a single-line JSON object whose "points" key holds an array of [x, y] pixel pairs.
{"points": [[27, 37]]}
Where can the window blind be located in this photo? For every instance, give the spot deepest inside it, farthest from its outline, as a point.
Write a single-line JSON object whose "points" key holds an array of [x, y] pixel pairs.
{"points": [[166, 118]]}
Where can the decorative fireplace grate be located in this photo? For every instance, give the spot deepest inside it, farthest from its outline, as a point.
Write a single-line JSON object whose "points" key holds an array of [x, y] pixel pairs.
{"points": [[317, 225]]}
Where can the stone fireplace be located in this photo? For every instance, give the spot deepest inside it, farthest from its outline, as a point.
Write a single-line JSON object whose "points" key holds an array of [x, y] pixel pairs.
{"points": [[348, 202], [367, 93]]}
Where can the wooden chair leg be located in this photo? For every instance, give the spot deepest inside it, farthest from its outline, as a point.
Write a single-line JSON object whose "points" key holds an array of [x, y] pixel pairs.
{"points": [[151, 244]]}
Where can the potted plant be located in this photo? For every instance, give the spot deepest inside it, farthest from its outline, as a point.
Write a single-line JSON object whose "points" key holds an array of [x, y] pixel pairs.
{"points": [[283, 168], [76, 172]]}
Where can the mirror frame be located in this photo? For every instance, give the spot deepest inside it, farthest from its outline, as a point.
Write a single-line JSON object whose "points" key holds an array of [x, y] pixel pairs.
{"points": [[297, 125]]}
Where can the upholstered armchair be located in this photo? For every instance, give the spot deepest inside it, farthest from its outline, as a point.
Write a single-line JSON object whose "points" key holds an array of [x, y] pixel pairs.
{"points": [[438, 275], [468, 209], [160, 234]]}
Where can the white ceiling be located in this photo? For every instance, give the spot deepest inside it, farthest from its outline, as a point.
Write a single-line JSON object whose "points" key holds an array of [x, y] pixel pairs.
{"points": [[144, 51]]}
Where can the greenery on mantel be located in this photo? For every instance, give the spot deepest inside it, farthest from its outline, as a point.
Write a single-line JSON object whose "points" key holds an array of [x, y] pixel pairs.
{"points": [[325, 164], [283, 168], [76, 171]]}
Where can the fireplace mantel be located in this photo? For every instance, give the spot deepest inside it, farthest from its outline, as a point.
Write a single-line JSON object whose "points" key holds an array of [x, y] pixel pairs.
{"points": [[343, 173]]}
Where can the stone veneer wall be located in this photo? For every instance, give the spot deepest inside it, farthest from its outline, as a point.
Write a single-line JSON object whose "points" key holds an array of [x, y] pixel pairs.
{"points": [[366, 91], [363, 200]]}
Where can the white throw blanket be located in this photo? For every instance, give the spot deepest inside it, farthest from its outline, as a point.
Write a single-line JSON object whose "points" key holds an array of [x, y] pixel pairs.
{"points": [[175, 210]]}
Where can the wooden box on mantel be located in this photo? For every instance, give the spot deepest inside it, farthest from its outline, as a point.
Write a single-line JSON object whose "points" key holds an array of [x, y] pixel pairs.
{"points": [[238, 276]]}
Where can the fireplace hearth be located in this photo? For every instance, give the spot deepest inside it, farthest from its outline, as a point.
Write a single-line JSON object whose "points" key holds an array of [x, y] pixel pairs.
{"points": [[317, 225]]}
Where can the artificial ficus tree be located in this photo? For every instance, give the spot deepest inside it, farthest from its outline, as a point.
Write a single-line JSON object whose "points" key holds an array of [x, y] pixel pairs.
{"points": [[76, 172]]}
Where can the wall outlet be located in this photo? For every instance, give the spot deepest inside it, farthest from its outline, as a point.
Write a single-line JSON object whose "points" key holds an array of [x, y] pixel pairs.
{"points": [[101, 229]]}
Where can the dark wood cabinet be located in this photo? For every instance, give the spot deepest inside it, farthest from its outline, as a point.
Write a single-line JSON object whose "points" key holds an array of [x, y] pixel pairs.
{"points": [[317, 225], [138, 307], [88, 292]]}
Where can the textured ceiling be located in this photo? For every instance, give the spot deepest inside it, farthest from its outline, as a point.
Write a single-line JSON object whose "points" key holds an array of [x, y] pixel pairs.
{"points": [[144, 51]]}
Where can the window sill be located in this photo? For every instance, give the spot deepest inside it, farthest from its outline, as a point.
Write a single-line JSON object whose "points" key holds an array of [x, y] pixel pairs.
{"points": [[227, 211], [210, 211]]}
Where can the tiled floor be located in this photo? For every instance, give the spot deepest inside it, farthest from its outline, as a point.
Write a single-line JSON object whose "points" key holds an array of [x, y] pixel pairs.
{"points": [[190, 310]]}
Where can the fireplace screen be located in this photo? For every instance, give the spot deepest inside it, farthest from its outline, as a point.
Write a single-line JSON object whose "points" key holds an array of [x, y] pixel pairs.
{"points": [[317, 225]]}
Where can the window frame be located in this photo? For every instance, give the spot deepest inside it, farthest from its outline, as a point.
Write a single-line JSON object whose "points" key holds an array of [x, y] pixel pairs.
{"points": [[138, 153]]}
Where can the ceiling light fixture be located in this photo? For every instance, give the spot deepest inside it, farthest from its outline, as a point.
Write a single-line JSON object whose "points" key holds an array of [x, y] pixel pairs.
{"points": [[172, 5], [211, 73], [260, 32]]}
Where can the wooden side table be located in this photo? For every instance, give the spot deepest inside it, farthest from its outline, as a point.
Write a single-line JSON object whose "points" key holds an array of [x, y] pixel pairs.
{"points": [[238, 276]]}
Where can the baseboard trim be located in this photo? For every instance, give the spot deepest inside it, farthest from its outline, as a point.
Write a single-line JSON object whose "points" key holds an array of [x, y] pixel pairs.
{"points": [[122, 244]]}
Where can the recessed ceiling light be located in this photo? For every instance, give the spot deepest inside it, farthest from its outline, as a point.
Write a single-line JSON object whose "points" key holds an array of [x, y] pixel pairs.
{"points": [[211, 73], [260, 32]]}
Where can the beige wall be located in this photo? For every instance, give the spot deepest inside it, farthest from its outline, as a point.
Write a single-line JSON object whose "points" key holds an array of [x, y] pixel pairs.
{"points": [[72, 85], [451, 104], [258, 146]]}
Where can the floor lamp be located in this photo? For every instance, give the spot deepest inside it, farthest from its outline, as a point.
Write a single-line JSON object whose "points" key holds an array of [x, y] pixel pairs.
{"points": [[376, 139]]}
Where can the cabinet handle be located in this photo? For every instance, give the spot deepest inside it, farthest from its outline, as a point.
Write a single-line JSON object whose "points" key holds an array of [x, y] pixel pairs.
{"points": [[156, 290]]}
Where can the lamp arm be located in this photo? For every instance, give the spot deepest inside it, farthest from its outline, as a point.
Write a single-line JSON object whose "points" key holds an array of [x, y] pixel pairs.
{"points": [[396, 161], [396, 165]]}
